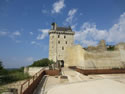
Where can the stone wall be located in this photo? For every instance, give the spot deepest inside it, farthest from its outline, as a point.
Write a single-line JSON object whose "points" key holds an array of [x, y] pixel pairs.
{"points": [[120, 46], [100, 47], [32, 70], [58, 42], [76, 56]]}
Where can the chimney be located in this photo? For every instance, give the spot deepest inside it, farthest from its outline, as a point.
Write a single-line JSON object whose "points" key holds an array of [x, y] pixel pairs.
{"points": [[54, 25]]}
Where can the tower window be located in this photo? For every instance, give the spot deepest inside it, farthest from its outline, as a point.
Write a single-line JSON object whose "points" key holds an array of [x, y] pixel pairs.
{"points": [[64, 37], [58, 36], [58, 42], [62, 48], [66, 42]]}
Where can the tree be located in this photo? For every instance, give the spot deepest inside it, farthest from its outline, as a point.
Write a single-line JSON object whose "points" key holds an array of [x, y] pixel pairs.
{"points": [[42, 62], [2, 70], [1, 67]]}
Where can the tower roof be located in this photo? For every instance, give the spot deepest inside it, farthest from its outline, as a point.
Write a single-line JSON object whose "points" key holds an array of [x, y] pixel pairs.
{"points": [[63, 28], [55, 27]]}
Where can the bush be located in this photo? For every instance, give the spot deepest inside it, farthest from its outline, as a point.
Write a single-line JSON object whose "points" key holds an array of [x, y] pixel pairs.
{"points": [[9, 76], [42, 63], [111, 48], [13, 77], [1, 67]]}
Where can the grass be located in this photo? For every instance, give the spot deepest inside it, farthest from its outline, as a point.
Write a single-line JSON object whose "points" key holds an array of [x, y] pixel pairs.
{"points": [[12, 76], [2, 90]]}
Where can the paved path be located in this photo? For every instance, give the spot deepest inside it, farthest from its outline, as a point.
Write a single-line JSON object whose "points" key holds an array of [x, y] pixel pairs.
{"points": [[78, 83], [104, 86]]}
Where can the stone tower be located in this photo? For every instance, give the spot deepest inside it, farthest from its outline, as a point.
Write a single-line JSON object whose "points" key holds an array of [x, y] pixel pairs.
{"points": [[59, 39]]}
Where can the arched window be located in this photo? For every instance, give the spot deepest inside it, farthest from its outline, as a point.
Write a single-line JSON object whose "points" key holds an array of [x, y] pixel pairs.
{"points": [[58, 36], [66, 42], [62, 48], [58, 42]]}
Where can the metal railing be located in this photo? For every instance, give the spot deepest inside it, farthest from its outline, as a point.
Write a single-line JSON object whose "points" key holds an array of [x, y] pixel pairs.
{"points": [[30, 85]]}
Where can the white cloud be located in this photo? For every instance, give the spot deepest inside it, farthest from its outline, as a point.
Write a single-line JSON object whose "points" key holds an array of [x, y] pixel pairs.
{"points": [[30, 59], [44, 11], [73, 26], [90, 35], [16, 33], [71, 14], [117, 31], [35, 43], [3, 33], [31, 33], [58, 6], [43, 35], [12, 35]]}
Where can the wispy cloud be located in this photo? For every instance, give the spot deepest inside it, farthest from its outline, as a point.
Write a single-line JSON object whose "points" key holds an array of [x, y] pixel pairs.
{"points": [[58, 6], [44, 33], [90, 35], [73, 26], [3, 33], [71, 15], [117, 31], [35, 43], [29, 59], [12, 35], [31, 33], [15, 34], [44, 11]]}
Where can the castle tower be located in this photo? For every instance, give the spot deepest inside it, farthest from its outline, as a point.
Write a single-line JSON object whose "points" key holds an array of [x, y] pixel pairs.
{"points": [[59, 39]]}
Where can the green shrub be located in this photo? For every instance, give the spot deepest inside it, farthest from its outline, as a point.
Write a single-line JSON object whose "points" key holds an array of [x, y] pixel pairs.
{"points": [[42, 63], [1, 66], [111, 48], [9, 76]]}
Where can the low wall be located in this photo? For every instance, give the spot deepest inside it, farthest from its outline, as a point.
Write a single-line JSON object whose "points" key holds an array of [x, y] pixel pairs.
{"points": [[101, 71], [52, 72], [30, 85], [32, 70]]}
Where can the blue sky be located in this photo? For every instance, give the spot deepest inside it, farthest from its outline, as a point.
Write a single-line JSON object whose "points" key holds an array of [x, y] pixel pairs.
{"points": [[24, 26]]}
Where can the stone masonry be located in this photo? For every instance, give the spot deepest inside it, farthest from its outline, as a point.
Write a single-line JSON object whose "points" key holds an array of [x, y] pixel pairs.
{"points": [[59, 39]]}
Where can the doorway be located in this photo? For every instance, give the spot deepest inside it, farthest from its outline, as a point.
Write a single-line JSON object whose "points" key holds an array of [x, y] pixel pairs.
{"points": [[62, 63]]}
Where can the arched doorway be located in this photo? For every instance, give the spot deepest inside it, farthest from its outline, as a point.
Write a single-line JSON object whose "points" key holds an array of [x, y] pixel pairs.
{"points": [[62, 63]]}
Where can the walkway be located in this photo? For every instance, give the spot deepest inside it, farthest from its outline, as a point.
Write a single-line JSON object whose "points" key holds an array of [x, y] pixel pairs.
{"points": [[78, 83]]}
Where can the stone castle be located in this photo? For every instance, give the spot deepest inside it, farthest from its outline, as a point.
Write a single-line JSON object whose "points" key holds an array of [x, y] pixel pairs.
{"points": [[62, 49], [59, 39]]}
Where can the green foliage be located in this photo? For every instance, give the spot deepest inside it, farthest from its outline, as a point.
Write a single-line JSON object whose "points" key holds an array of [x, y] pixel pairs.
{"points": [[42, 63], [111, 48], [1, 67], [12, 75], [2, 70]]}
